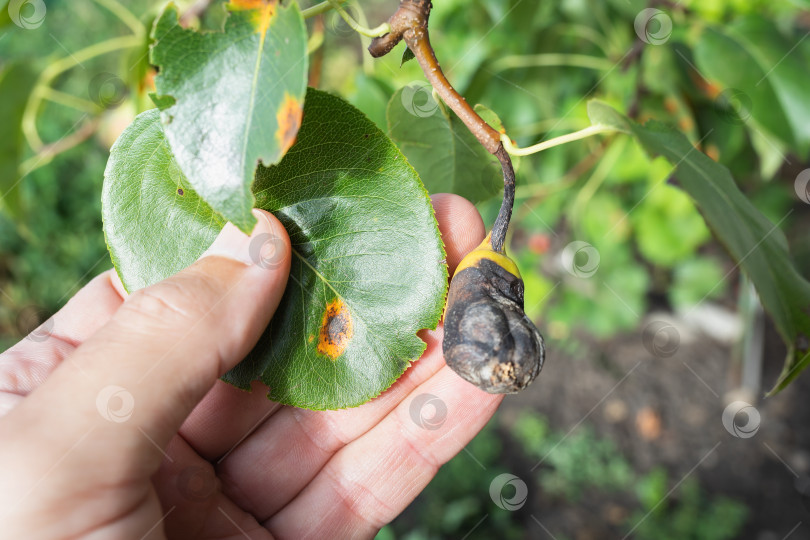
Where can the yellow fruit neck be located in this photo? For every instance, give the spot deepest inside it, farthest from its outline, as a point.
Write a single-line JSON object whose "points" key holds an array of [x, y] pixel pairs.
{"points": [[484, 251]]}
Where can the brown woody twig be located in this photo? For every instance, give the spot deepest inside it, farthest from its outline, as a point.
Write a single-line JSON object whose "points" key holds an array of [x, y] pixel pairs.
{"points": [[410, 23]]}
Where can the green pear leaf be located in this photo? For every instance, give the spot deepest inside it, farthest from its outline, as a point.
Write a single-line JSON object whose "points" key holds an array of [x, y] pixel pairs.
{"points": [[447, 156], [364, 239], [17, 81], [231, 99]]}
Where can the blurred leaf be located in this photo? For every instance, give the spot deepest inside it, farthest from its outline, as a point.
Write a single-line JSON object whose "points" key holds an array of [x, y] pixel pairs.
{"points": [[371, 95], [773, 86], [619, 291], [490, 117], [728, 140], [605, 221], [668, 227], [363, 235], [446, 155], [214, 17], [756, 244], [537, 289], [406, 56], [135, 64], [660, 72], [5, 18], [786, 69], [386, 533], [695, 280], [237, 98], [17, 82], [651, 489], [771, 154]]}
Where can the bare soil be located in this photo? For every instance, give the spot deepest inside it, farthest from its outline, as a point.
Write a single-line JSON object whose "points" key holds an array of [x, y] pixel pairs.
{"points": [[666, 412]]}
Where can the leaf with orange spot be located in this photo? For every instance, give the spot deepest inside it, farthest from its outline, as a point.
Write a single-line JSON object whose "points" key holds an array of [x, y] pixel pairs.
{"points": [[337, 329], [222, 95], [367, 270], [289, 121]]}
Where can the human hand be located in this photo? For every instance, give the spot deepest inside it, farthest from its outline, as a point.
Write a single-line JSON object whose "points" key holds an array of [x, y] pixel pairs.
{"points": [[118, 427]]}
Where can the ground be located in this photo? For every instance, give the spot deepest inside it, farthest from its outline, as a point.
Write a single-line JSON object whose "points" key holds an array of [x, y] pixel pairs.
{"points": [[667, 412]]}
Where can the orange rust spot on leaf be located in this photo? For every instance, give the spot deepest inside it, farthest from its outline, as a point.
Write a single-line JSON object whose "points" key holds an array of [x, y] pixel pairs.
{"points": [[289, 121], [264, 11], [337, 329]]}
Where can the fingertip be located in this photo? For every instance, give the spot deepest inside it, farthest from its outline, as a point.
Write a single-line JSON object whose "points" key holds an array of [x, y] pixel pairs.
{"points": [[267, 246], [116, 284], [267, 223], [460, 224]]}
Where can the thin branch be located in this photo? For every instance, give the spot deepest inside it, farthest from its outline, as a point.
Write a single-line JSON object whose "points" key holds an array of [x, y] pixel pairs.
{"points": [[125, 15], [537, 191], [365, 41], [97, 49], [317, 9], [69, 100], [551, 59], [50, 151], [315, 50], [29, 120], [380, 30], [598, 176], [316, 36], [556, 141]]}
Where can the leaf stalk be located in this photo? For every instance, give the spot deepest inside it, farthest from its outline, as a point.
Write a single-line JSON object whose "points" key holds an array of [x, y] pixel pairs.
{"points": [[556, 141]]}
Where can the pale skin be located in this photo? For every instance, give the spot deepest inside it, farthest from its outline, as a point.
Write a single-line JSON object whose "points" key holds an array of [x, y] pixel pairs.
{"points": [[198, 458]]}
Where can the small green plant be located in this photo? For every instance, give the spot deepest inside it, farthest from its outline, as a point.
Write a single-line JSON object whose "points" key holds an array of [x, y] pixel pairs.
{"points": [[458, 497], [581, 461], [573, 463], [688, 513]]}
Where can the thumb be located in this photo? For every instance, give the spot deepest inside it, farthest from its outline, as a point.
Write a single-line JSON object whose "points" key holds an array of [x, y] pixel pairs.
{"points": [[136, 380]]}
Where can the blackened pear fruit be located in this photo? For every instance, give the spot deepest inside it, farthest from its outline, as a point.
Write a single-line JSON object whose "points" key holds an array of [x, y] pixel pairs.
{"points": [[488, 339]]}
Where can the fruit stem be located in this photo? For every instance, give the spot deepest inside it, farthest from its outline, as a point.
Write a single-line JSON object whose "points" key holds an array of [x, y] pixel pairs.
{"points": [[410, 23]]}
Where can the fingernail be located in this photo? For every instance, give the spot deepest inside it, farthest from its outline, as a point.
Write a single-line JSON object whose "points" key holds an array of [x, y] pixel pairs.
{"points": [[262, 248]]}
